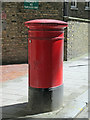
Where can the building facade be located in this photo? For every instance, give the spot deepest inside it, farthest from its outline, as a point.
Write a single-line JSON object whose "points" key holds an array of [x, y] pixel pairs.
{"points": [[76, 37], [15, 35]]}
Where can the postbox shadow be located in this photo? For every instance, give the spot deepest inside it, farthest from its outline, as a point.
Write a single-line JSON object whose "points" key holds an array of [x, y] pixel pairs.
{"points": [[15, 111]]}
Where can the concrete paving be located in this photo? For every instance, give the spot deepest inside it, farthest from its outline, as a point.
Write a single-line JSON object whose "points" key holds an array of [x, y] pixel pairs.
{"points": [[14, 93]]}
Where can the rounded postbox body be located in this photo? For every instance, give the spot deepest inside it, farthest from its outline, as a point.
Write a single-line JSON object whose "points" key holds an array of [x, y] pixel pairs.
{"points": [[45, 57]]}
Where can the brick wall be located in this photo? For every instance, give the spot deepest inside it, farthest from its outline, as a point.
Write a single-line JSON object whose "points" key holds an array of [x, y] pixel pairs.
{"points": [[80, 12], [0, 35], [77, 39], [14, 33], [76, 35]]}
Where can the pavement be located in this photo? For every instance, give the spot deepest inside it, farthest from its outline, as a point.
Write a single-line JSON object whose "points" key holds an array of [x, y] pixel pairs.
{"points": [[10, 72], [14, 92]]}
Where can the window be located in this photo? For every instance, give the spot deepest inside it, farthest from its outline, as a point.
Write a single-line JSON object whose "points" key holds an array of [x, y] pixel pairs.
{"points": [[73, 4], [87, 5]]}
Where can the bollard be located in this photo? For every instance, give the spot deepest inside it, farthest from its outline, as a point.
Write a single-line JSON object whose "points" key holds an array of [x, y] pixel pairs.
{"points": [[45, 58]]}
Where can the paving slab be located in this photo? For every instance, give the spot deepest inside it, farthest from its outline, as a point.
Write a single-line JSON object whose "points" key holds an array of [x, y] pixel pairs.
{"points": [[10, 72]]}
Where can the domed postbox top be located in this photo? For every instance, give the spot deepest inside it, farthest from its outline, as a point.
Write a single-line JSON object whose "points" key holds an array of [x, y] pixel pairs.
{"points": [[46, 21], [45, 24]]}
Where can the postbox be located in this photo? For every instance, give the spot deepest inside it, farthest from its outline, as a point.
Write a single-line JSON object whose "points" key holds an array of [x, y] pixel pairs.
{"points": [[45, 59]]}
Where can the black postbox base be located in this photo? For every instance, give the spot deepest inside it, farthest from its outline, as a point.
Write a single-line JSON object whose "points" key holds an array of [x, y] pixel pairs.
{"points": [[45, 99]]}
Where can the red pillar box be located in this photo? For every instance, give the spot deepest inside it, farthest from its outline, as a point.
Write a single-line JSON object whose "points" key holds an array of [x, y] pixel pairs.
{"points": [[45, 57]]}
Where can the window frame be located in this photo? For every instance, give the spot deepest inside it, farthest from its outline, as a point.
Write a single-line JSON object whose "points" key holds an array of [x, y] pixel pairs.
{"points": [[74, 4], [87, 4]]}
